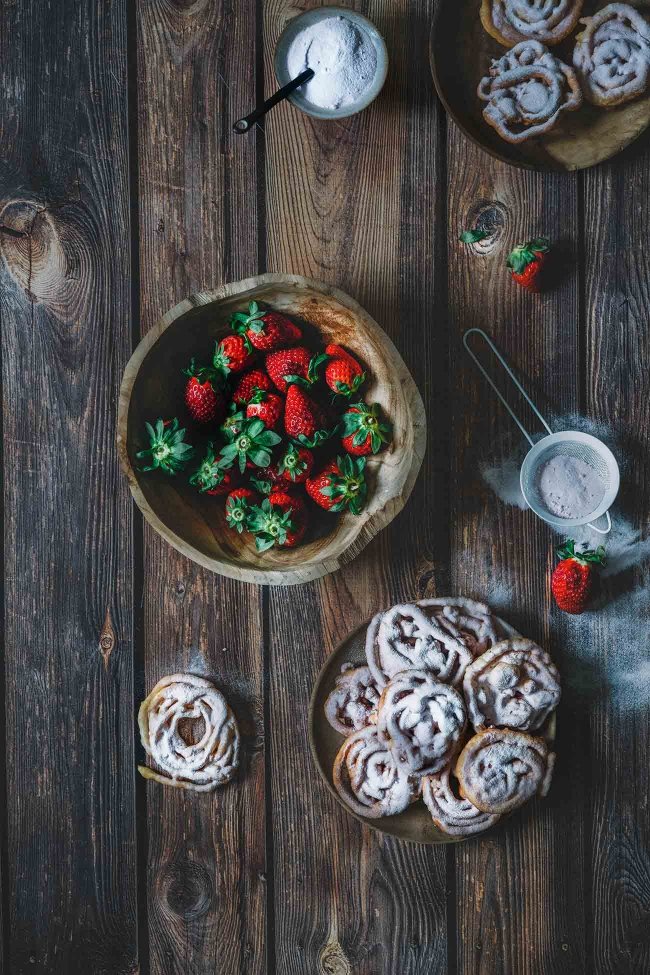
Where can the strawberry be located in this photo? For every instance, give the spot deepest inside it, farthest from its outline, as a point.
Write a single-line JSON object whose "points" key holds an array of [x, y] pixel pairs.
{"points": [[232, 354], [526, 262], [203, 398], [233, 424], [573, 576], [268, 407], [249, 384], [252, 445], [210, 477], [279, 520], [265, 479], [265, 330], [296, 365], [304, 420], [297, 464], [343, 374], [340, 485], [167, 450], [363, 430], [238, 507], [283, 501]]}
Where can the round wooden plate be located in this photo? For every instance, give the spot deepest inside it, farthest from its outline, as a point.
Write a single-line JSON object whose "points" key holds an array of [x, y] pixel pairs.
{"points": [[461, 52], [195, 524], [415, 824]]}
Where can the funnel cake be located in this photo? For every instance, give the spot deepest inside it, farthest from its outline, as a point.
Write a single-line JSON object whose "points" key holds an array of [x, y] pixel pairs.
{"points": [[500, 769], [406, 638], [527, 90], [203, 766], [421, 721], [548, 21], [368, 780], [449, 811], [612, 55], [352, 704], [513, 685], [469, 621]]}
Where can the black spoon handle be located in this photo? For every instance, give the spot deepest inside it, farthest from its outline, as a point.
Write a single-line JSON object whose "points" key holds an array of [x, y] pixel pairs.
{"points": [[244, 124]]}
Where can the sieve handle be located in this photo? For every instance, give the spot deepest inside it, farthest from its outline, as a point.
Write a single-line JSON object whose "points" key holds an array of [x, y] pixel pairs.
{"points": [[602, 531], [510, 373]]}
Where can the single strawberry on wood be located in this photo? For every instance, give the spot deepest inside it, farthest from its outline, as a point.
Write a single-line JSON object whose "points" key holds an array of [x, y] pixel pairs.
{"points": [[340, 485], [265, 330], [526, 262], [363, 430], [304, 419], [573, 577]]}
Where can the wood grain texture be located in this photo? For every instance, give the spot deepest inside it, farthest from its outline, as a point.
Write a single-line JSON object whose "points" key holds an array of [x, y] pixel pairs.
{"points": [[68, 653], [198, 228], [617, 351], [361, 210], [519, 892]]}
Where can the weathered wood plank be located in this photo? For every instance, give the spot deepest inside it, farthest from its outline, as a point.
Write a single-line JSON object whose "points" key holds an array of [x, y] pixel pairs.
{"points": [[617, 351], [519, 890], [358, 203], [198, 226], [68, 654]]}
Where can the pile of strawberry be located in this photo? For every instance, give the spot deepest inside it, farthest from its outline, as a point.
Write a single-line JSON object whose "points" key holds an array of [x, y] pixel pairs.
{"points": [[285, 426]]}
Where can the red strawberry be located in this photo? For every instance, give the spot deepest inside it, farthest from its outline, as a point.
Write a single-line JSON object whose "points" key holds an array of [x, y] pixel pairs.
{"points": [[340, 485], [573, 576], [232, 354], [279, 520], [285, 502], [203, 398], [265, 479], [267, 406], [343, 374], [249, 383], [238, 506], [526, 262], [210, 477], [363, 430], [293, 365], [265, 330], [297, 464], [304, 420]]}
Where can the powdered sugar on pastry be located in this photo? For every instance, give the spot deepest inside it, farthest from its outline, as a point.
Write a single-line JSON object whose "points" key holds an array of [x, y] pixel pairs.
{"points": [[367, 778], [548, 21], [612, 55], [421, 721], [449, 811], [500, 769], [405, 638], [471, 622], [513, 685], [200, 767], [352, 704]]}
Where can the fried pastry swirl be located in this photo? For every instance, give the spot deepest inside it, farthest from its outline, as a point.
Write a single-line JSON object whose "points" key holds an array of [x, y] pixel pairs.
{"points": [[368, 779], [500, 769], [352, 704], [513, 685], [203, 766], [421, 721], [548, 21], [526, 91], [449, 811], [612, 55], [469, 621]]}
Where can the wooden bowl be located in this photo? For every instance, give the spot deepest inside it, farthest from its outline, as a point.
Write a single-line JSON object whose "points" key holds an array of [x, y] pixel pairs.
{"points": [[194, 524], [415, 823], [461, 52]]}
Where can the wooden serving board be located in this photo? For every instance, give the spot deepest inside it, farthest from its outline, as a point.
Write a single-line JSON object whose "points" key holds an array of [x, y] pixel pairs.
{"points": [[461, 52], [415, 824]]}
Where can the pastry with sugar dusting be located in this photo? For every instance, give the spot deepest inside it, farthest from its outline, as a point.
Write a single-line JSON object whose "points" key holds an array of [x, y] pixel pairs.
{"points": [[369, 780], [451, 813], [612, 55], [548, 21], [352, 704], [500, 769]]}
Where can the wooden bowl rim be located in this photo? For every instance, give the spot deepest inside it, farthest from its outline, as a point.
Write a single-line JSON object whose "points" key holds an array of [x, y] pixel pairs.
{"points": [[438, 838], [536, 167], [368, 529]]}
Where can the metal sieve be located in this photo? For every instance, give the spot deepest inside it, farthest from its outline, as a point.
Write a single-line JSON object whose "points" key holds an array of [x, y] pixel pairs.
{"points": [[581, 446]]}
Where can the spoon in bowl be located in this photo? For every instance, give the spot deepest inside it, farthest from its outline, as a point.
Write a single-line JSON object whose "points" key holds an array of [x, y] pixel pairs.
{"points": [[243, 125]]}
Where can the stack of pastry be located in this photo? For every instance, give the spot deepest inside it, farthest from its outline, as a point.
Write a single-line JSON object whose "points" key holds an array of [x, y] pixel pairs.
{"points": [[529, 87], [447, 711]]}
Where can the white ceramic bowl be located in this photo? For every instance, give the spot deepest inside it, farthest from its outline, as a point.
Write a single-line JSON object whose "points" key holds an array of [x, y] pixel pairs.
{"points": [[312, 17]]}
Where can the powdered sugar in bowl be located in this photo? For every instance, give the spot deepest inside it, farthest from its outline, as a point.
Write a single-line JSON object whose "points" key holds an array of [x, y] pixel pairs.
{"points": [[347, 54]]}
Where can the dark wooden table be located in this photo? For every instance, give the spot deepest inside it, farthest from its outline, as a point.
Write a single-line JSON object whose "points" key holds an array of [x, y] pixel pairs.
{"points": [[119, 166]]}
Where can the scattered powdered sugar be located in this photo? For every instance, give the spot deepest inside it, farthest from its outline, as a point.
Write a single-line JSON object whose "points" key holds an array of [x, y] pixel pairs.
{"points": [[503, 478], [342, 56]]}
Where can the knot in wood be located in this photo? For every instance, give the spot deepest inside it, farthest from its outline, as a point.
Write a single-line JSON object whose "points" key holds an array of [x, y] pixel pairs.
{"points": [[189, 890], [491, 217], [333, 960]]}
